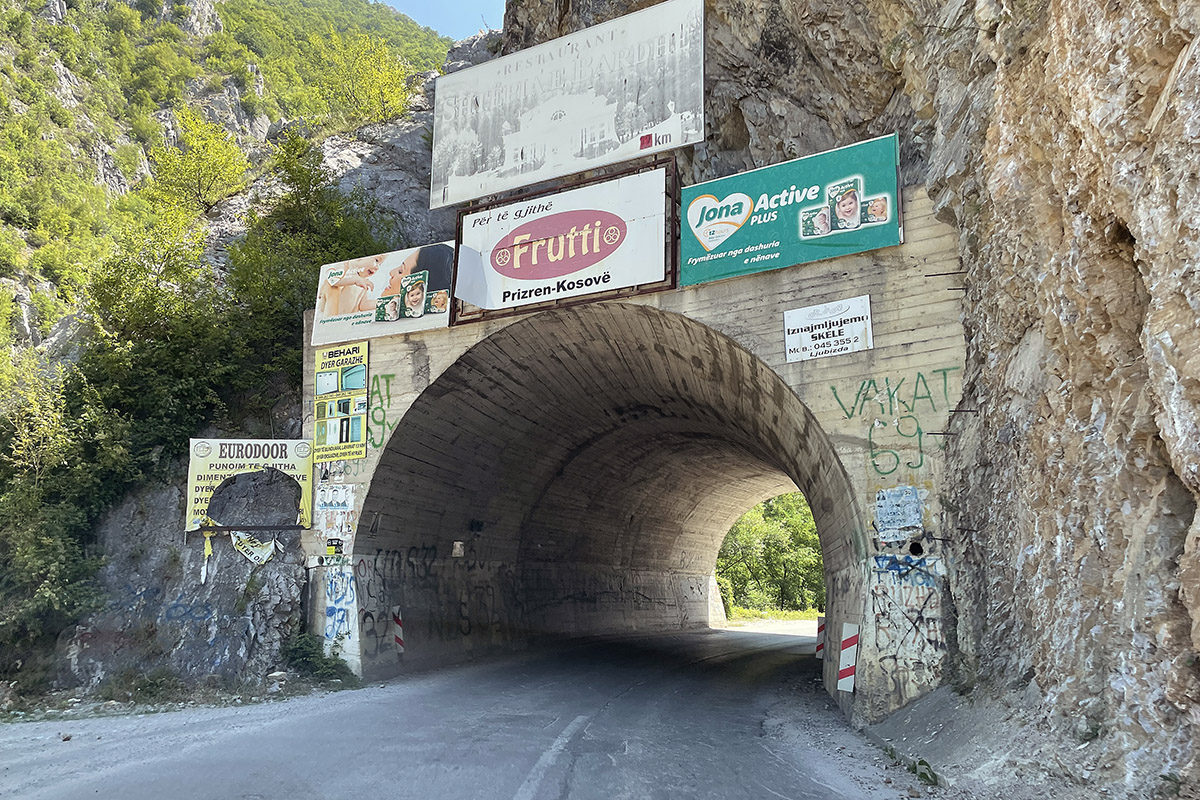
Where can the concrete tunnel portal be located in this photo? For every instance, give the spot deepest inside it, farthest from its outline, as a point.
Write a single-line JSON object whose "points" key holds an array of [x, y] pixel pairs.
{"points": [[575, 473]]}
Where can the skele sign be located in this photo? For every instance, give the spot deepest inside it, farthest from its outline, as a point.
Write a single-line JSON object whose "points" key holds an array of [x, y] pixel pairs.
{"points": [[593, 239]]}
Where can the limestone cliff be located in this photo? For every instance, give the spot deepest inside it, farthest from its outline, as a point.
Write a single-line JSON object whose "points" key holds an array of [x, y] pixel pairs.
{"points": [[1061, 139]]}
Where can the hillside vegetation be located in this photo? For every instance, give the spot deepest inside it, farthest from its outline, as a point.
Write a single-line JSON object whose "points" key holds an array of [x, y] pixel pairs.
{"points": [[771, 559], [112, 148]]}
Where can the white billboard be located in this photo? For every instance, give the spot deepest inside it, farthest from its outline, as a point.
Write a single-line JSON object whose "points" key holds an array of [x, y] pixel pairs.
{"points": [[583, 241], [385, 294], [830, 329], [624, 88]]}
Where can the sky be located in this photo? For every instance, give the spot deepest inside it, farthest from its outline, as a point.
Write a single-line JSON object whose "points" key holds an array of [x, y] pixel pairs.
{"points": [[457, 19]]}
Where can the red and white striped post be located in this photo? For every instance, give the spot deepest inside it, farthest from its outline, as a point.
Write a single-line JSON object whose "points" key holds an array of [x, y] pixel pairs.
{"points": [[820, 637], [847, 657], [398, 621]]}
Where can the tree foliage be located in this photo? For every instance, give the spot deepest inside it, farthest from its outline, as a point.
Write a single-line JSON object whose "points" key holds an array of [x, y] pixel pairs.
{"points": [[771, 557], [173, 350], [365, 79], [203, 170]]}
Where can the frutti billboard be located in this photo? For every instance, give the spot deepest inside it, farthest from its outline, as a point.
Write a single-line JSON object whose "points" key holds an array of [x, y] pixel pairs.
{"points": [[821, 206], [629, 87], [583, 241]]}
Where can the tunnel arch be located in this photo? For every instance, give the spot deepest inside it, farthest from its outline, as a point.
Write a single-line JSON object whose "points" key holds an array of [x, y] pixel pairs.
{"points": [[590, 461]]}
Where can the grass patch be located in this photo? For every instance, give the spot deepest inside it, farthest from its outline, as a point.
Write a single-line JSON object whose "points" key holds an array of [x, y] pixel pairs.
{"points": [[157, 686], [739, 613]]}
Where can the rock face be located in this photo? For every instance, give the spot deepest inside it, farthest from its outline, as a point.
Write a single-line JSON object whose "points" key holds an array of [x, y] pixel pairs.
{"points": [[1063, 147], [161, 616], [1062, 141]]}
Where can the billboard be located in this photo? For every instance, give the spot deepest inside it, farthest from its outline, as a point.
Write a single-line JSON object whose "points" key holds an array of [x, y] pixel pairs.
{"points": [[830, 329], [593, 239], [383, 295], [212, 461], [340, 403], [821, 206], [625, 88]]}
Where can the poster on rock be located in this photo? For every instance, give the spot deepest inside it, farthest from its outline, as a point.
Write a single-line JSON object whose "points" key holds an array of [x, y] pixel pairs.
{"points": [[821, 206], [629, 87], [212, 461], [593, 239]]}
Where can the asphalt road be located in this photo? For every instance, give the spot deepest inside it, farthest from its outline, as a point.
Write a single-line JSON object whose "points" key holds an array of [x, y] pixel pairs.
{"points": [[716, 714]]}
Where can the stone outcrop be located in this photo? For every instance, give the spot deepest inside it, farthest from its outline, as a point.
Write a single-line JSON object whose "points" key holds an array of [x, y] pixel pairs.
{"points": [[159, 615], [1061, 140]]}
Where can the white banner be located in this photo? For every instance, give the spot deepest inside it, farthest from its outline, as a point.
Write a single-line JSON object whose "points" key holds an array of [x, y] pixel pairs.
{"points": [[584, 241], [383, 295], [830, 329], [615, 91]]}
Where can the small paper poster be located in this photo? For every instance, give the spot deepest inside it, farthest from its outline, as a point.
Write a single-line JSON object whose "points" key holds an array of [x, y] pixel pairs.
{"points": [[830, 329]]}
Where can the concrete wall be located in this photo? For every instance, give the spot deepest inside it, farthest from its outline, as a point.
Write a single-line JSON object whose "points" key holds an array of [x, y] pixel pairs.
{"points": [[591, 460]]}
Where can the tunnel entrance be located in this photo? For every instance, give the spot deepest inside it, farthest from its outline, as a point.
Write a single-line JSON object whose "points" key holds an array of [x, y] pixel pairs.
{"points": [[575, 473]]}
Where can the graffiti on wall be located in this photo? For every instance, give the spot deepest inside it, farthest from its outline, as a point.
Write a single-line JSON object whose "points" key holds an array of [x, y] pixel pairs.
{"points": [[909, 635], [895, 410], [382, 420], [341, 608]]}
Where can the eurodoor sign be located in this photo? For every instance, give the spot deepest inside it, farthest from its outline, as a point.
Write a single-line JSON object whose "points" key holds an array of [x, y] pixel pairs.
{"points": [[212, 461], [588, 240], [822, 206], [626, 88]]}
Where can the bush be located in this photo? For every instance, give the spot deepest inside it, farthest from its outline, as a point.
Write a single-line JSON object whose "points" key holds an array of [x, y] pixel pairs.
{"points": [[305, 653]]}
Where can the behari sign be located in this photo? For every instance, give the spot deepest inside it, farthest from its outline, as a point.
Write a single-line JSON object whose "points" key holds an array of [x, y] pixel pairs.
{"points": [[625, 88], [213, 461], [579, 242], [340, 403], [385, 294], [826, 205]]}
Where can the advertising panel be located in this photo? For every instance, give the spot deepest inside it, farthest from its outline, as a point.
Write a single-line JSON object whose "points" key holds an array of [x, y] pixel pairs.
{"points": [[821, 206], [830, 329], [587, 240], [625, 88], [383, 295], [212, 461], [340, 411]]}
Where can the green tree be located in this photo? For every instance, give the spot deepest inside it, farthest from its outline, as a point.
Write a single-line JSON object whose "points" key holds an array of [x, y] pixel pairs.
{"points": [[274, 268], [771, 557], [207, 167], [364, 79]]}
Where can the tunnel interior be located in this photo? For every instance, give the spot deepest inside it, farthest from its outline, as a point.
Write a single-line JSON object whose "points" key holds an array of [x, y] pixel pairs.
{"points": [[575, 473]]}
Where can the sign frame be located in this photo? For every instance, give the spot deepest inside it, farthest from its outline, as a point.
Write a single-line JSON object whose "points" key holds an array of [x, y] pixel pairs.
{"points": [[461, 315], [742, 224], [574, 104], [341, 404]]}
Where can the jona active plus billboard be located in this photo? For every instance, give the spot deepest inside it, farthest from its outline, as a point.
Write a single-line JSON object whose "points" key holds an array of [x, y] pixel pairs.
{"points": [[583, 241], [821, 206], [618, 90]]}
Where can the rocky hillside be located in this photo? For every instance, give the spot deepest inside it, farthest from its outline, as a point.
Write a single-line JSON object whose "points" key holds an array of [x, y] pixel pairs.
{"points": [[1061, 140], [122, 330]]}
